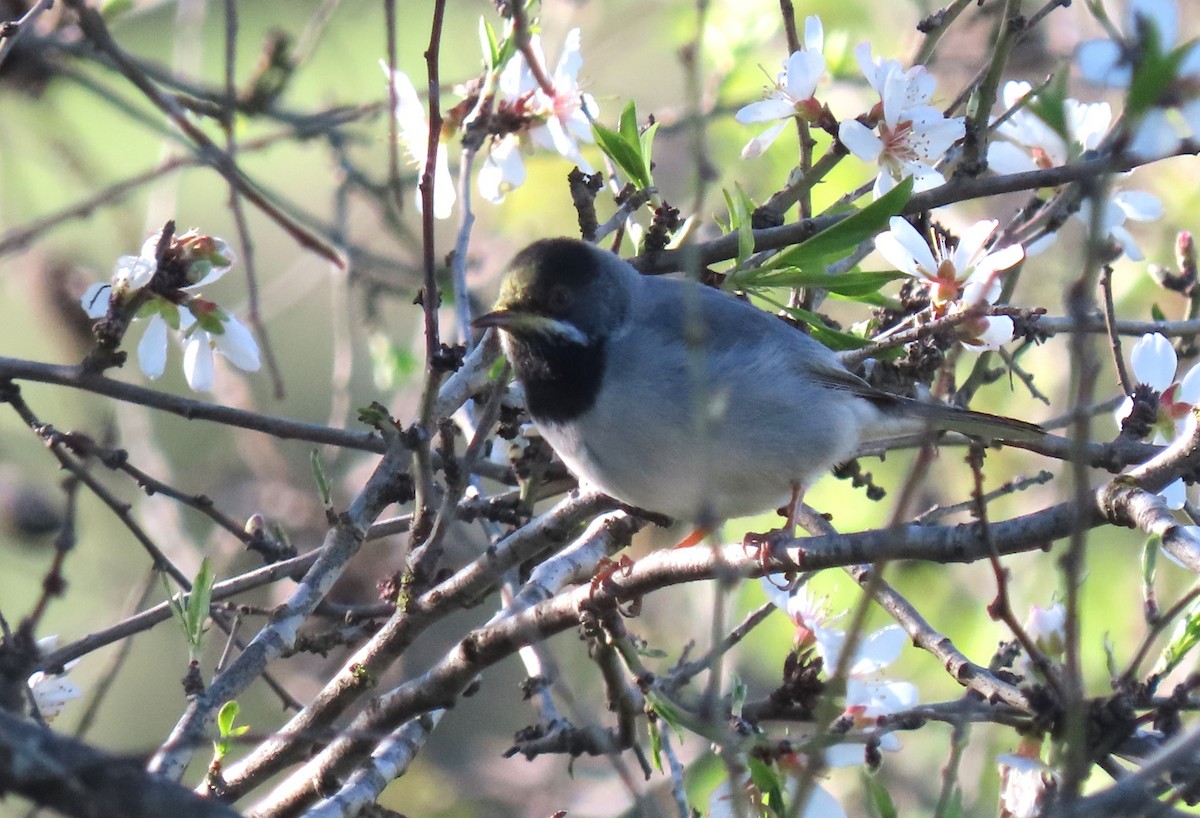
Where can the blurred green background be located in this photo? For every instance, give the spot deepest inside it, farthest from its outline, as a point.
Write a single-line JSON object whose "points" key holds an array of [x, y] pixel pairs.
{"points": [[66, 136]]}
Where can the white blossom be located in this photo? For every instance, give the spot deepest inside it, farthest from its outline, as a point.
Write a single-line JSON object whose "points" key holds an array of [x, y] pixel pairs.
{"points": [[52, 691], [1154, 363], [910, 136], [1151, 31], [1025, 786], [969, 269], [413, 131], [1026, 142], [793, 94], [234, 342]]}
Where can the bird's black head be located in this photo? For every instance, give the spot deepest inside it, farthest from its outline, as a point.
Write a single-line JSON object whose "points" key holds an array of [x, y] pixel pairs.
{"points": [[560, 301], [565, 289]]}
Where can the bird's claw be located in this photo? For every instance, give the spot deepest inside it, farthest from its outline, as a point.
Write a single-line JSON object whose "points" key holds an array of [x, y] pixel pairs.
{"points": [[606, 569], [763, 544]]}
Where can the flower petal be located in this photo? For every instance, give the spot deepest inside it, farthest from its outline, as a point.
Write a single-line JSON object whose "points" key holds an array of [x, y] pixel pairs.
{"points": [[152, 349], [1139, 205], [804, 70], [1155, 136], [903, 248], [1189, 387], [814, 33], [878, 650], [238, 345], [760, 143], [765, 110], [1174, 495], [1002, 259], [1101, 63], [860, 140], [198, 362], [997, 331], [95, 299], [1162, 14], [1154, 361], [1006, 158]]}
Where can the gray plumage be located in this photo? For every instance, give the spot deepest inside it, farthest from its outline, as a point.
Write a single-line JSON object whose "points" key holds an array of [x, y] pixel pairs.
{"points": [[705, 408]]}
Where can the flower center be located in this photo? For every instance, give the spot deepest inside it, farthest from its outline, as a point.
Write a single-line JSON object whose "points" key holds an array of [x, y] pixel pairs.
{"points": [[897, 141]]}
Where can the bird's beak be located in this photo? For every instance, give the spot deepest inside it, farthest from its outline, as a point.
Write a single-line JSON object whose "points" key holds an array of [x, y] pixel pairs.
{"points": [[528, 323], [498, 318]]}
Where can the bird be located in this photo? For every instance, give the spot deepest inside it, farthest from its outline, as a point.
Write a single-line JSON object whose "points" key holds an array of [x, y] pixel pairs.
{"points": [[683, 400]]}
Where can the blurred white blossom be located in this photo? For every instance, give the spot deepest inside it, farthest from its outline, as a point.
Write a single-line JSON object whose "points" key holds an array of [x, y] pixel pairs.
{"points": [[793, 94]]}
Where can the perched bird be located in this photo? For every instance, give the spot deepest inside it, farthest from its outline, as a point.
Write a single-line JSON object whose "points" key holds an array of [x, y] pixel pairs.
{"points": [[683, 400]]}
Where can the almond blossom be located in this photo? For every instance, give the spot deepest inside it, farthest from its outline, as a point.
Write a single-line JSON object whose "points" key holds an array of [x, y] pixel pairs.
{"points": [[207, 329], [1123, 206], [793, 94], [1025, 141], [868, 694], [52, 691], [567, 113], [909, 137], [1027, 785], [168, 295], [1151, 36], [413, 132], [1154, 364], [557, 121], [967, 274]]}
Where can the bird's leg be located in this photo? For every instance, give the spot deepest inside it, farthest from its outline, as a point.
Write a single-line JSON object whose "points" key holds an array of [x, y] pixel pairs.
{"points": [[793, 508], [695, 538], [763, 542], [607, 568]]}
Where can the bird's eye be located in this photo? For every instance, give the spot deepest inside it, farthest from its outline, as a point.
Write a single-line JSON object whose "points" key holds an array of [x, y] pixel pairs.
{"points": [[559, 299]]}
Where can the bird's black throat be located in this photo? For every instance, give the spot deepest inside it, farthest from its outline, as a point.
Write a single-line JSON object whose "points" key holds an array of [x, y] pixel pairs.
{"points": [[561, 379]]}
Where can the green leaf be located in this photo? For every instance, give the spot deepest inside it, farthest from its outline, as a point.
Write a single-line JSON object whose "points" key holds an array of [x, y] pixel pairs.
{"points": [[767, 781], [627, 125], [741, 210], [1153, 75], [110, 9], [391, 364], [1156, 313], [832, 338], [491, 46], [879, 802], [854, 284], [666, 711], [198, 602], [1185, 637], [624, 147], [655, 743], [1110, 658], [497, 368], [737, 696], [617, 149], [314, 460], [646, 142], [226, 717], [173, 604], [1048, 103], [835, 241]]}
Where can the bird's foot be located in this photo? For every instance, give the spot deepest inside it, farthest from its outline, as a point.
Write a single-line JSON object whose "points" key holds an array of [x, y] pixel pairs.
{"points": [[763, 544], [606, 569]]}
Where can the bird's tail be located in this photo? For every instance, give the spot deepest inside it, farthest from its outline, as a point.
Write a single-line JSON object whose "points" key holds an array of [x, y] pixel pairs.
{"points": [[922, 414]]}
